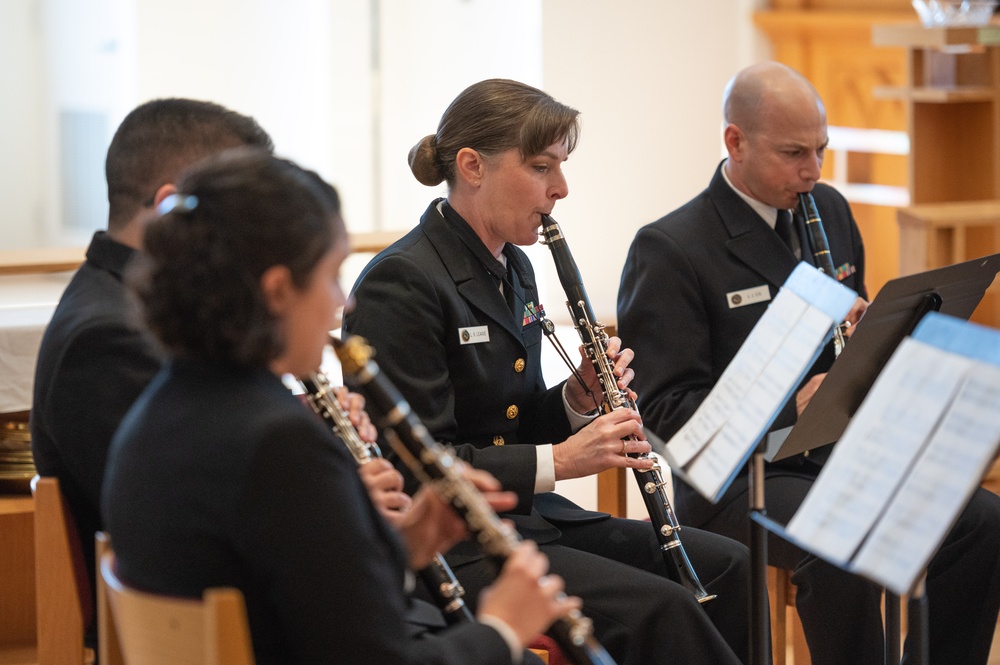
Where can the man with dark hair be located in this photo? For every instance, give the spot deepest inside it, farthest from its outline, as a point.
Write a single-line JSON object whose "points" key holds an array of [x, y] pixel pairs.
{"points": [[158, 140], [94, 359]]}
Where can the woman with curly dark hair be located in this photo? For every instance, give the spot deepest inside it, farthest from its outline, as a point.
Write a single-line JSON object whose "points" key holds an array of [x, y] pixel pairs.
{"points": [[219, 476]]}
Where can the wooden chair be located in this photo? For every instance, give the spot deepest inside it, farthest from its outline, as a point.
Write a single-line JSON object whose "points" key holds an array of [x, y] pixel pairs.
{"points": [[62, 587], [786, 634], [542, 653], [140, 628]]}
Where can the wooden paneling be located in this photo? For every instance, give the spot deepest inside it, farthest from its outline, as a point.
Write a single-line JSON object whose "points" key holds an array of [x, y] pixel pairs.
{"points": [[830, 43]]}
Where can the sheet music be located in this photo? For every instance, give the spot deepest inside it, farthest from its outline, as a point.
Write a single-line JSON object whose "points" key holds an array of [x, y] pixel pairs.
{"points": [[715, 442], [877, 449], [943, 479], [733, 386], [911, 457]]}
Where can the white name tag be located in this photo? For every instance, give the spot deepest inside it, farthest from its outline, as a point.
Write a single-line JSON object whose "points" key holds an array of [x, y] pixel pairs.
{"points": [[474, 335], [748, 296]]}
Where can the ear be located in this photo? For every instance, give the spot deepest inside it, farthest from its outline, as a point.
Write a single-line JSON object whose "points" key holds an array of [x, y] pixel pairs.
{"points": [[734, 138], [469, 166], [163, 192], [278, 289]]}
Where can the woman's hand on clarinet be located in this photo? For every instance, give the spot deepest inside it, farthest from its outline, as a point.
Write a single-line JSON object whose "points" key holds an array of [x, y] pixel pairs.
{"points": [[354, 404], [524, 596], [385, 489], [578, 398], [431, 526], [601, 445]]}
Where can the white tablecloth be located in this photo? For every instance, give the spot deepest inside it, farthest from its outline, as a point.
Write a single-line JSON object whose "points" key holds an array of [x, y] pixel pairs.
{"points": [[26, 306]]}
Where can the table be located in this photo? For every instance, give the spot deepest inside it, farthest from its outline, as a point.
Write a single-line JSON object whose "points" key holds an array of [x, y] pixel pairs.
{"points": [[26, 306]]}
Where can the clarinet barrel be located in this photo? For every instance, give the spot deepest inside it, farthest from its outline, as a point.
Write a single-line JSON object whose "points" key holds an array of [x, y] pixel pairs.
{"points": [[821, 255]]}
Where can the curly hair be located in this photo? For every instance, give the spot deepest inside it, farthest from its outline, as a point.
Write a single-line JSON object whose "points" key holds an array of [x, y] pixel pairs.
{"points": [[492, 116], [235, 216]]}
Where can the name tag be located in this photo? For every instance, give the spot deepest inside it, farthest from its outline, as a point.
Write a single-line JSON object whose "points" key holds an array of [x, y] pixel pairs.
{"points": [[474, 335], [748, 296]]}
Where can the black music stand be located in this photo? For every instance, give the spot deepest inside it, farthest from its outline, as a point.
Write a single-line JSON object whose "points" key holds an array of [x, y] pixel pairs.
{"points": [[897, 309], [955, 290], [890, 544]]}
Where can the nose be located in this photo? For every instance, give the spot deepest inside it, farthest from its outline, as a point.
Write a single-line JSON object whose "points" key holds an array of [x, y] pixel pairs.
{"points": [[560, 189], [811, 168]]}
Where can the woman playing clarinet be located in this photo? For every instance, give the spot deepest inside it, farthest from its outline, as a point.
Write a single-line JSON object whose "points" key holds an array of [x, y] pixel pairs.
{"points": [[454, 314]]}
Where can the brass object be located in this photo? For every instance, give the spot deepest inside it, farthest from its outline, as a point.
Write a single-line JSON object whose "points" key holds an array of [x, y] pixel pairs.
{"points": [[17, 465]]}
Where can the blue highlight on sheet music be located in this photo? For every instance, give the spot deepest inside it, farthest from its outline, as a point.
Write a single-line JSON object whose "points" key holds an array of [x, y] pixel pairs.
{"points": [[713, 445]]}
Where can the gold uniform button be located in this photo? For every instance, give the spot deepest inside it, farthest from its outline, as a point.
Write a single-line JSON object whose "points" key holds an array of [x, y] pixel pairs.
{"points": [[512, 412], [519, 365], [498, 440]]}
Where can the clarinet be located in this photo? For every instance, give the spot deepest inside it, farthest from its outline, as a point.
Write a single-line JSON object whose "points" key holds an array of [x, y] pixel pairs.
{"points": [[434, 464], [438, 576], [821, 255], [595, 343]]}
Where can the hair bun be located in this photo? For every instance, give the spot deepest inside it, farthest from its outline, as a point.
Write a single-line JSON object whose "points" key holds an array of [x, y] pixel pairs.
{"points": [[423, 160]]}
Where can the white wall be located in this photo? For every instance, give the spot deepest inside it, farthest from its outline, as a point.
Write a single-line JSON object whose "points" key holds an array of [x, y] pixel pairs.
{"points": [[431, 51], [647, 76], [22, 186], [272, 60]]}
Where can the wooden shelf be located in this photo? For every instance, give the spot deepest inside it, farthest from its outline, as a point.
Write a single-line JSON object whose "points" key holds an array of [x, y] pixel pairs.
{"points": [[807, 22], [915, 35], [952, 98], [61, 259], [949, 215], [43, 260], [935, 95], [373, 241]]}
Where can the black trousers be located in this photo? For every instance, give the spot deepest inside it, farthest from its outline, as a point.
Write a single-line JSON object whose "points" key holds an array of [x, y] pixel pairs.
{"points": [[639, 615], [841, 613]]}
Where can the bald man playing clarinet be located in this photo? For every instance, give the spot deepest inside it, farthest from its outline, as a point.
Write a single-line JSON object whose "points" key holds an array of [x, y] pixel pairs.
{"points": [[696, 282]]}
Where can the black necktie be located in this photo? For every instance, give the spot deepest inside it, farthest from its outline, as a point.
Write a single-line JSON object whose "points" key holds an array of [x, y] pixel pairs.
{"points": [[508, 289], [784, 228]]}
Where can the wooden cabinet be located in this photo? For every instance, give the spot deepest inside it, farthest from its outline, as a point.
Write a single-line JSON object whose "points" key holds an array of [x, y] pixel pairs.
{"points": [[952, 100], [17, 580]]}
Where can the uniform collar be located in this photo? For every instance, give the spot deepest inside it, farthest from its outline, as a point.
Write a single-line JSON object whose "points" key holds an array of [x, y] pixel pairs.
{"points": [[109, 254]]}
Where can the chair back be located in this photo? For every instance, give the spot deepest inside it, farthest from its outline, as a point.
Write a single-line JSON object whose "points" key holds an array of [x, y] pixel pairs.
{"points": [[153, 629], [64, 603]]}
